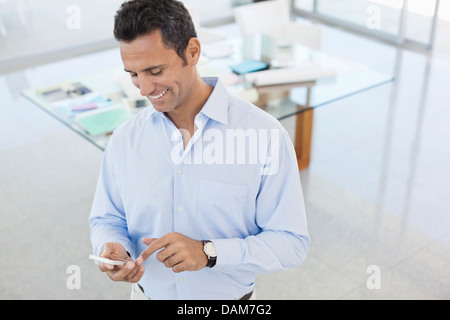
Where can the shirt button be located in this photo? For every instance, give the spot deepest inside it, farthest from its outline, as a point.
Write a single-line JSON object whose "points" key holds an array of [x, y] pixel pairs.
{"points": [[181, 280], [179, 172], [179, 209]]}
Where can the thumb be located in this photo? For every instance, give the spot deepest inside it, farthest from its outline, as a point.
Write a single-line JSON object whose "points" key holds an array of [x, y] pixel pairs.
{"points": [[106, 250]]}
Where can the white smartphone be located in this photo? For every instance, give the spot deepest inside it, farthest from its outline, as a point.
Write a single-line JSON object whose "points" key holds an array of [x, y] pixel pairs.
{"points": [[108, 261]]}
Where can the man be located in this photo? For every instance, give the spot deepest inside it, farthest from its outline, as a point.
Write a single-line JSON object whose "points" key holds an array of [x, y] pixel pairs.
{"points": [[201, 191]]}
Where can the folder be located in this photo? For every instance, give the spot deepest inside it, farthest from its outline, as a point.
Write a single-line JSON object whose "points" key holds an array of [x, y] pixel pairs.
{"points": [[102, 121]]}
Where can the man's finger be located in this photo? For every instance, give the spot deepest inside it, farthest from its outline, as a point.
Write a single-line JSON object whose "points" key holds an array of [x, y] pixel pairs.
{"points": [[154, 246], [122, 273], [148, 241], [166, 253], [135, 274], [106, 253], [138, 275]]}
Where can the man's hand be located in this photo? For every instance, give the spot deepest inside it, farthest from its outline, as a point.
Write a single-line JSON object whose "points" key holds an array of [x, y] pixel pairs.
{"points": [[131, 272], [179, 252]]}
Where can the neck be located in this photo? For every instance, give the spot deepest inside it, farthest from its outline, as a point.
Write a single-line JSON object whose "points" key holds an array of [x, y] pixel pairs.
{"points": [[183, 117]]}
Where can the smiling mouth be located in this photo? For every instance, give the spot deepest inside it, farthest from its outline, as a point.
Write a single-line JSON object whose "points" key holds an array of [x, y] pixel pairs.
{"points": [[159, 96]]}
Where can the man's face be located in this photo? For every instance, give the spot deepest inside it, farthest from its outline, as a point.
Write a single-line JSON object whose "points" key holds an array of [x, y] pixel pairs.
{"points": [[160, 74]]}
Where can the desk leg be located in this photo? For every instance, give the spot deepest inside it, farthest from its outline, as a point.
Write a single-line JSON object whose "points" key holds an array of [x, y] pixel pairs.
{"points": [[303, 136]]}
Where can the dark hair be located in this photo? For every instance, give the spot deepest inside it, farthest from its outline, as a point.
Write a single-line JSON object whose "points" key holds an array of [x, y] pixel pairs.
{"points": [[137, 18]]}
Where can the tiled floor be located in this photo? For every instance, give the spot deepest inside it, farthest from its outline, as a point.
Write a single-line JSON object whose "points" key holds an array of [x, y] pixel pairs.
{"points": [[376, 191]]}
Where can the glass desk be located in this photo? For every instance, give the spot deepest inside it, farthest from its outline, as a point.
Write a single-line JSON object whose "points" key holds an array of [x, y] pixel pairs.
{"points": [[300, 79]]}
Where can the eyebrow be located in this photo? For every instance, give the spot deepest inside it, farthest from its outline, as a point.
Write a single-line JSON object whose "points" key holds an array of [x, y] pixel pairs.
{"points": [[161, 66]]}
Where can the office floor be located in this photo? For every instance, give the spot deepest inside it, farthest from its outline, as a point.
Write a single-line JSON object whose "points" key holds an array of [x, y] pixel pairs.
{"points": [[376, 191]]}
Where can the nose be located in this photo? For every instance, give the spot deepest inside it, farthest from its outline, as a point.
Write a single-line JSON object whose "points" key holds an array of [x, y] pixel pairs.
{"points": [[146, 85]]}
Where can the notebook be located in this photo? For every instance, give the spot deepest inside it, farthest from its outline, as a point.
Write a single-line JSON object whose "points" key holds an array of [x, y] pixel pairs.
{"points": [[102, 121]]}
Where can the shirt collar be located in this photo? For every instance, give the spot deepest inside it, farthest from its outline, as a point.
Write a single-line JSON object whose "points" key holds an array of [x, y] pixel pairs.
{"points": [[215, 108]]}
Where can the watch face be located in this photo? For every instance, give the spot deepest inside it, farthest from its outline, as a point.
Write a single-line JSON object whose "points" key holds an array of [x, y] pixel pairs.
{"points": [[209, 249]]}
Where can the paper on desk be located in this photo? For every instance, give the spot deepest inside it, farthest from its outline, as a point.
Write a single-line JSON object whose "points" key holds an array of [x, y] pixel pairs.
{"points": [[288, 75], [104, 120], [74, 106]]}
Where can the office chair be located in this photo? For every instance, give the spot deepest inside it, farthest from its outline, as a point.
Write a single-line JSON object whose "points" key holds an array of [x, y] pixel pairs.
{"points": [[206, 35], [273, 18]]}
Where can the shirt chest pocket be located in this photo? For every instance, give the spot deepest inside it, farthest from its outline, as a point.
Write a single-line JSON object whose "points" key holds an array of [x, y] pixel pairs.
{"points": [[222, 208]]}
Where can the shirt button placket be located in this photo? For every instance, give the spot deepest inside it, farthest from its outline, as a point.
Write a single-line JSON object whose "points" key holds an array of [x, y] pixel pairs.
{"points": [[178, 200]]}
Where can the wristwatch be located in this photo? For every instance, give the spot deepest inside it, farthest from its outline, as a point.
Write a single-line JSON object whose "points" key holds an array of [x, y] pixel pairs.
{"points": [[210, 251]]}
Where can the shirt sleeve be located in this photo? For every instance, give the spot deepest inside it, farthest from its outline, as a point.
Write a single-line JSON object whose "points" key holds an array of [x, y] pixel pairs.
{"points": [[107, 219], [284, 241]]}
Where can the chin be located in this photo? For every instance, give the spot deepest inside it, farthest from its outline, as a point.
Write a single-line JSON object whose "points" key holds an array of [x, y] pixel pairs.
{"points": [[161, 108]]}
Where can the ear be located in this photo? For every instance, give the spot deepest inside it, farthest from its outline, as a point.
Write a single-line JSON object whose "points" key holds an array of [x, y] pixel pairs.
{"points": [[193, 51]]}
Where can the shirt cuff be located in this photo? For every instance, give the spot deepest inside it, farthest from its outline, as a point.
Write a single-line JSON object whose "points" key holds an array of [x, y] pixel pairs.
{"points": [[101, 238], [229, 253]]}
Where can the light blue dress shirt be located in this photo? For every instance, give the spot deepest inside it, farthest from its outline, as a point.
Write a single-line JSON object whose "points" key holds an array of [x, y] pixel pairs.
{"points": [[236, 183]]}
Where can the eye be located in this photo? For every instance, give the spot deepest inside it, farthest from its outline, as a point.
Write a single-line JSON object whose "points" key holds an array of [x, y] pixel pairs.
{"points": [[133, 75], [156, 73]]}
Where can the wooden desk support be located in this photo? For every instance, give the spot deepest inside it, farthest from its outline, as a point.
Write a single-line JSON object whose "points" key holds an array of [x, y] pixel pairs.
{"points": [[303, 136], [303, 129]]}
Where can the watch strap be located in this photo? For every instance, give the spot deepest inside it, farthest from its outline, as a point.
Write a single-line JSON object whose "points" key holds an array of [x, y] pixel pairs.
{"points": [[211, 260]]}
